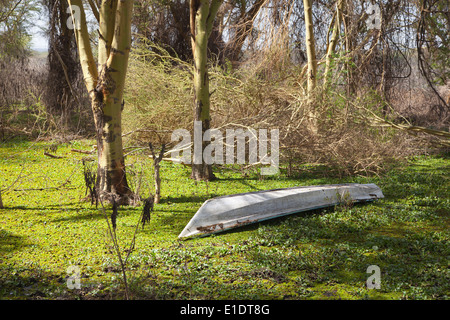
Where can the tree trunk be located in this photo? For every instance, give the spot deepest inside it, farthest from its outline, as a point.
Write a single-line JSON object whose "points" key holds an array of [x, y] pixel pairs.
{"points": [[312, 65], [202, 18], [333, 41], [60, 58], [105, 86], [350, 43], [310, 46], [157, 185], [111, 176], [156, 165]]}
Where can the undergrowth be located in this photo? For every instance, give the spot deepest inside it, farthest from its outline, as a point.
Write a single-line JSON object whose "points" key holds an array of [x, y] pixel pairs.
{"points": [[339, 133], [46, 227]]}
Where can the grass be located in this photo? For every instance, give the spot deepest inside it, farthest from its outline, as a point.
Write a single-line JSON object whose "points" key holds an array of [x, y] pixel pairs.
{"points": [[45, 227]]}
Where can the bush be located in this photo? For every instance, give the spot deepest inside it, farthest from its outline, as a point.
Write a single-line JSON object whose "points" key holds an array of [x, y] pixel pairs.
{"points": [[160, 99]]}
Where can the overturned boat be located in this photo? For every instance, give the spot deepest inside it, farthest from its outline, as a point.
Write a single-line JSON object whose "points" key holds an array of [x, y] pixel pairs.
{"points": [[228, 212]]}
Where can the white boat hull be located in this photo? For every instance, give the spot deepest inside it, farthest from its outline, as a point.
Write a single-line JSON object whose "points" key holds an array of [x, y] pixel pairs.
{"points": [[227, 212]]}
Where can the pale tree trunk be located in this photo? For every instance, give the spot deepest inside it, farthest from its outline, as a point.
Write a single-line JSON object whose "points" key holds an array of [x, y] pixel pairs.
{"points": [[312, 63], [310, 46], [156, 165], [105, 86], [349, 44], [202, 14], [336, 25]]}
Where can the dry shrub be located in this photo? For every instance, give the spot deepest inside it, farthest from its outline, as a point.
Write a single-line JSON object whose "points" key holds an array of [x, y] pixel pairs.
{"points": [[23, 107], [158, 96], [345, 141], [268, 95], [422, 107], [20, 90], [264, 96]]}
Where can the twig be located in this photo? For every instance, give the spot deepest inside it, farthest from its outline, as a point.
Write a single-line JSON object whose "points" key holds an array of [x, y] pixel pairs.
{"points": [[67, 181], [15, 181], [94, 10], [132, 151], [113, 236], [9, 187], [145, 217], [82, 151], [5, 16], [63, 65], [378, 121], [174, 160], [145, 130], [112, 233], [43, 189]]}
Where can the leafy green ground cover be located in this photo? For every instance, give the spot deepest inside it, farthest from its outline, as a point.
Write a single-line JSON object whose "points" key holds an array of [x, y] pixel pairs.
{"points": [[45, 227]]}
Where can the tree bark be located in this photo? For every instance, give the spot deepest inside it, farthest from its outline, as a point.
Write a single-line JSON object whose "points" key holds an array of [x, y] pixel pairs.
{"points": [[333, 41], [350, 44], [105, 86], [202, 14], [312, 65], [60, 58], [156, 165], [310, 46]]}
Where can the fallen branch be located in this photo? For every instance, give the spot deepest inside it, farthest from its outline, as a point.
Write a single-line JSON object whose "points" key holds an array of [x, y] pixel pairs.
{"points": [[174, 160], [145, 130], [43, 189], [132, 151], [82, 151], [52, 155]]}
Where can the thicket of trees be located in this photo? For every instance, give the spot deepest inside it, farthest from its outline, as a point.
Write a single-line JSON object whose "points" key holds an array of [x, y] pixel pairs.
{"points": [[325, 72]]}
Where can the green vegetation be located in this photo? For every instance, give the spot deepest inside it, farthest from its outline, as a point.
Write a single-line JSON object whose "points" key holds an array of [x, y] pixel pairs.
{"points": [[45, 227]]}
